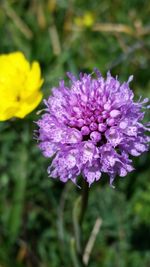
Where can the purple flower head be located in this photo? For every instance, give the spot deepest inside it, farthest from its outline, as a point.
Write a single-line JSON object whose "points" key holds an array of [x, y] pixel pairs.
{"points": [[92, 127]]}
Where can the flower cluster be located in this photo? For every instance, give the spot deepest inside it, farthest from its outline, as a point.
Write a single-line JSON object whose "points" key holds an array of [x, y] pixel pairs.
{"points": [[91, 128], [20, 85]]}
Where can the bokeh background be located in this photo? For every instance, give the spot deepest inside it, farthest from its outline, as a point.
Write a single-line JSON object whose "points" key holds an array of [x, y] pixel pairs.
{"points": [[36, 211]]}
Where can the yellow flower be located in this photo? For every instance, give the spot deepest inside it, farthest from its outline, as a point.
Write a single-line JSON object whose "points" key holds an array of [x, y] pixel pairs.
{"points": [[87, 20], [20, 84]]}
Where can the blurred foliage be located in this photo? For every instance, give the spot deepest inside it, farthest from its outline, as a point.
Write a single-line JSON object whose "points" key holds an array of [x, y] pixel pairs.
{"points": [[36, 212]]}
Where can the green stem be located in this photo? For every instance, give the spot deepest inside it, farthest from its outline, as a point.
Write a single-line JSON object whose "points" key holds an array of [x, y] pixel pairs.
{"points": [[20, 180], [74, 254], [84, 201], [79, 211], [18, 197]]}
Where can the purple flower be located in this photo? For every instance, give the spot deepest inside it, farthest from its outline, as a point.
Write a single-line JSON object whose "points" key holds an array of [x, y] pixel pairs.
{"points": [[92, 127]]}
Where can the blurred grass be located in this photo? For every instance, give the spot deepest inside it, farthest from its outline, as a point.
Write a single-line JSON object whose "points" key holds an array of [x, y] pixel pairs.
{"points": [[36, 212]]}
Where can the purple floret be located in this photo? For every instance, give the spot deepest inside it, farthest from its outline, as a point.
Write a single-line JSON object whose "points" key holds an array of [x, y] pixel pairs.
{"points": [[92, 127]]}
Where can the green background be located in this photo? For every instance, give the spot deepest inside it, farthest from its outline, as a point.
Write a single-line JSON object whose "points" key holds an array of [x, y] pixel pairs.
{"points": [[36, 220]]}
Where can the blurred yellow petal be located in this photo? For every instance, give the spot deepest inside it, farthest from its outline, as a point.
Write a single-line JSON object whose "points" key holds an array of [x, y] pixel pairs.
{"points": [[20, 84], [87, 20], [29, 105], [34, 80], [8, 112], [78, 21]]}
